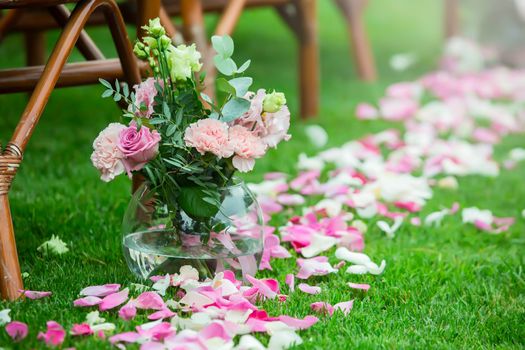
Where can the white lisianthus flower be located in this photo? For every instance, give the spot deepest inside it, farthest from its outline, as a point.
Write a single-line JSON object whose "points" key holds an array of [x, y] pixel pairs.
{"points": [[183, 61], [54, 246]]}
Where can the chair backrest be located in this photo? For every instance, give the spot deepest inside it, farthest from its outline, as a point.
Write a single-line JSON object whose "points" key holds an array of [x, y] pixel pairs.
{"points": [[6, 4]]}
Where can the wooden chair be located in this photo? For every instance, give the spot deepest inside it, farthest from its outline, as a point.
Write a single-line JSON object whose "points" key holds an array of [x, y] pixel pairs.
{"points": [[41, 80]]}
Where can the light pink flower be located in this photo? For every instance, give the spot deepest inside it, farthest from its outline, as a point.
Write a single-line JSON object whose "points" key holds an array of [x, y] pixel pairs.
{"points": [[145, 94], [272, 128], [106, 156], [17, 330], [247, 148], [138, 146], [209, 135], [54, 334]]}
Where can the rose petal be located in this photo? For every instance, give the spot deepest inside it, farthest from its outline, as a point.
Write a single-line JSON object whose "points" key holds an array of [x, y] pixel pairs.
{"points": [[87, 301], [113, 300], [305, 288], [363, 286], [100, 291], [32, 294], [345, 306], [17, 330]]}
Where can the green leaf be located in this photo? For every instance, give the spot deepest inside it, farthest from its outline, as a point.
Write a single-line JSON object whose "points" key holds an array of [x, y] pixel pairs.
{"points": [[241, 85], [156, 121], [107, 93], [105, 83], [225, 86], [117, 97], [244, 66], [117, 86], [178, 116], [225, 65], [214, 115], [191, 200], [223, 45], [171, 130], [166, 110], [234, 108], [125, 90]]}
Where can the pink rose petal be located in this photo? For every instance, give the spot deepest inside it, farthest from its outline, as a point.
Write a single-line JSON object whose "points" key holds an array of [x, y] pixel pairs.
{"points": [[17, 330], [161, 314], [363, 286], [345, 306], [322, 307], [32, 294], [81, 329], [298, 323], [126, 337], [100, 291], [113, 300], [87, 301], [290, 281], [54, 334], [305, 288], [128, 311], [150, 300]]}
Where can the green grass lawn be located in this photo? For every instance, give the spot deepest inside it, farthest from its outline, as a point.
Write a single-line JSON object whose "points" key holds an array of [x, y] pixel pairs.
{"points": [[446, 287]]}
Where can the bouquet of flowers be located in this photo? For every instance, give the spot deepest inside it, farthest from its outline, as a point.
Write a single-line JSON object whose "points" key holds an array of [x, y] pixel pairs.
{"points": [[185, 144]]}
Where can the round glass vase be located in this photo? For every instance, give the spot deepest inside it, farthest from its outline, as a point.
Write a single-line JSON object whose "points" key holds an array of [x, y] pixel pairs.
{"points": [[158, 240]]}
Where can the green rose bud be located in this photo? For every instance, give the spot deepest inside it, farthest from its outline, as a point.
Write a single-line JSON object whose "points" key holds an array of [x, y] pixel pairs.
{"points": [[274, 102], [138, 50], [154, 28], [150, 42], [165, 42]]}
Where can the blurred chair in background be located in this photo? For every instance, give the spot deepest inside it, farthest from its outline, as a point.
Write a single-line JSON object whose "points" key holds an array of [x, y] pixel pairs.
{"points": [[41, 80], [353, 11]]}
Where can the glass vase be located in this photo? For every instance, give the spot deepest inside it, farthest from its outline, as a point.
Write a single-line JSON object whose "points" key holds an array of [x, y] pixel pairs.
{"points": [[158, 239]]}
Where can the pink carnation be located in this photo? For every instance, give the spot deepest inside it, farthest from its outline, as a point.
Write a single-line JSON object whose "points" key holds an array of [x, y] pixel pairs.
{"points": [[145, 94], [247, 148], [106, 156], [138, 146], [209, 135]]}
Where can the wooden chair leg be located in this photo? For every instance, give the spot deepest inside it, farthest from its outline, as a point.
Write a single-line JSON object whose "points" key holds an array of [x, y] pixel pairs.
{"points": [[451, 18], [10, 276], [8, 19], [302, 19], [194, 30], [35, 42], [230, 17], [353, 11], [146, 10], [10, 279]]}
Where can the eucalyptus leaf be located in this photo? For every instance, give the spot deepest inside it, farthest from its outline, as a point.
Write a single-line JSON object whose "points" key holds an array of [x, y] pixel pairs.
{"points": [[223, 45], [241, 85], [234, 108], [107, 93], [225, 86], [171, 130], [105, 83], [244, 66], [166, 110], [125, 90], [225, 65]]}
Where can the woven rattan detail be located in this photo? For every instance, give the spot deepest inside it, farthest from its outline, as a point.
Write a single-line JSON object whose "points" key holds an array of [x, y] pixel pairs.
{"points": [[10, 161]]}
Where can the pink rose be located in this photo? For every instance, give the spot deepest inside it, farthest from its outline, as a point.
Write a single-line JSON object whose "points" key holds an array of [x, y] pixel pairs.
{"points": [[209, 135], [106, 156], [247, 148], [138, 146], [145, 94]]}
